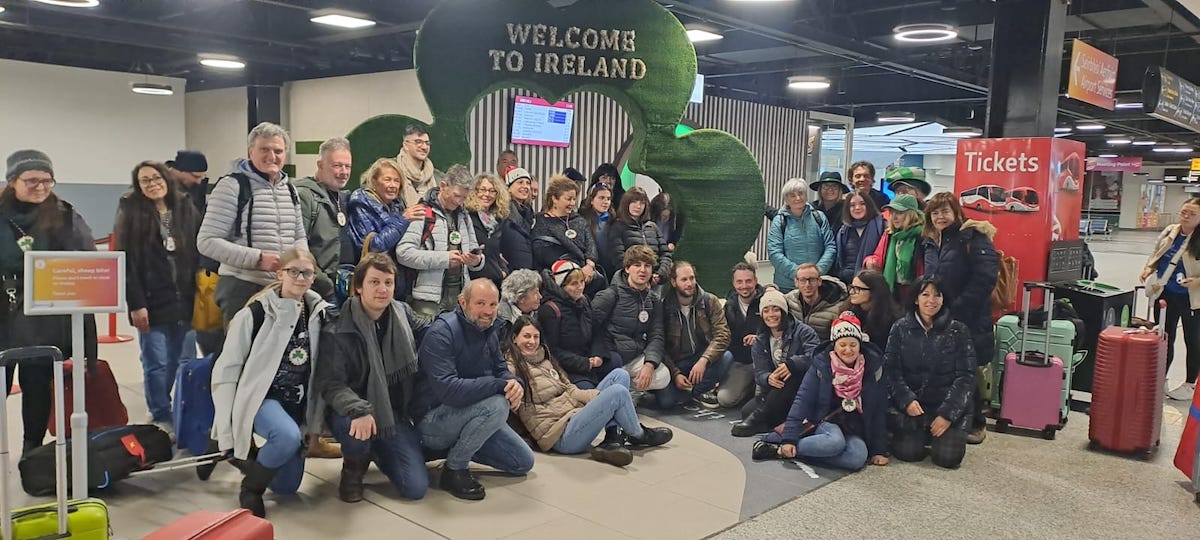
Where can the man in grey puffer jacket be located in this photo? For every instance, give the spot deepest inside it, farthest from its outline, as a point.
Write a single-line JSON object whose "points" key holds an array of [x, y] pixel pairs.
{"points": [[248, 245]]}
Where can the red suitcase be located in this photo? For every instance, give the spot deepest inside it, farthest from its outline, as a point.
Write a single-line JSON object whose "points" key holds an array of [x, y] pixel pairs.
{"points": [[1127, 391], [1187, 453], [104, 406], [239, 524]]}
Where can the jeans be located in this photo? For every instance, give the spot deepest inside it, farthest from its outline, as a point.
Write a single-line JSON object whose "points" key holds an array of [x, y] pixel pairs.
{"points": [[232, 295], [613, 363], [282, 449], [715, 371], [828, 446], [398, 456], [479, 433], [164, 349], [612, 404], [737, 386], [1179, 307]]}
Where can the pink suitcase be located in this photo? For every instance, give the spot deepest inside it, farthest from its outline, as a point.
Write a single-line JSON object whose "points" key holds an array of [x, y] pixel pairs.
{"points": [[1032, 392], [239, 524]]}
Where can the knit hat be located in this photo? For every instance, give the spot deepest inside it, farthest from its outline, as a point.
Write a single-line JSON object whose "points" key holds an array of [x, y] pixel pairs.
{"points": [[574, 174], [773, 298], [515, 173], [912, 176], [561, 269], [846, 325], [904, 203], [189, 161], [830, 177], [28, 160]]}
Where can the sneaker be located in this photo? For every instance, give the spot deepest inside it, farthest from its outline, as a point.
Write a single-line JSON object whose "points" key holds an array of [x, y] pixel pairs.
{"points": [[977, 436], [708, 400], [651, 437], [613, 453], [1183, 392], [764, 450]]}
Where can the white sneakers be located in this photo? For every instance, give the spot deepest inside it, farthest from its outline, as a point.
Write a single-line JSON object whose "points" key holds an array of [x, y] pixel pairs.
{"points": [[1182, 392]]}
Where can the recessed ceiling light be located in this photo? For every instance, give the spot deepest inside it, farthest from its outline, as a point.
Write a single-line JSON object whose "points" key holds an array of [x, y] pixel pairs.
{"points": [[1164, 149], [1117, 141], [1129, 105], [342, 21], [808, 82], [698, 34], [1181, 149], [1145, 142], [1089, 126], [962, 132], [222, 61], [70, 3], [1107, 155], [895, 116], [151, 89], [924, 32], [1, 9], [1062, 129]]}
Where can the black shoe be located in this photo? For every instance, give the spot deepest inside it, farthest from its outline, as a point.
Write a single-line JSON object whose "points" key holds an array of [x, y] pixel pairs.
{"points": [[203, 472], [752, 424], [350, 487], [708, 400], [764, 450], [29, 445], [254, 484], [613, 453], [652, 436], [462, 484]]}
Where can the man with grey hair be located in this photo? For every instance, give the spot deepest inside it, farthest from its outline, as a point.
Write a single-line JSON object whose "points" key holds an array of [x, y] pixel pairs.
{"points": [[442, 249], [323, 207], [520, 294], [798, 234], [253, 216]]}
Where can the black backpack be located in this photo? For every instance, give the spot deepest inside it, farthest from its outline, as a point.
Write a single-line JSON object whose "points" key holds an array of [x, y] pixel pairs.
{"points": [[113, 454], [245, 202]]}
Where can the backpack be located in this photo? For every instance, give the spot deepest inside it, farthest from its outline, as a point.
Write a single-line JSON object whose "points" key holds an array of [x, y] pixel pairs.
{"points": [[245, 202], [818, 216], [1005, 291], [410, 275]]}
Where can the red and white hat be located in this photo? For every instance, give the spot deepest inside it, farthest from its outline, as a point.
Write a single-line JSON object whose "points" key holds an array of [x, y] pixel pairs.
{"points": [[561, 269], [846, 325]]}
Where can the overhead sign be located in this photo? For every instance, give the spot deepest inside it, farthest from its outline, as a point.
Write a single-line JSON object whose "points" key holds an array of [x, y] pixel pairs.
{"points": [[68, 282], [1093, 76], [1169, 97], [1114, 164]]}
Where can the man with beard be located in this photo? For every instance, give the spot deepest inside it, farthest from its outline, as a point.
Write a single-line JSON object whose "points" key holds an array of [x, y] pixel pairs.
{"points": [[697, 339], [415, 165], [741, 312], [323, 207]]}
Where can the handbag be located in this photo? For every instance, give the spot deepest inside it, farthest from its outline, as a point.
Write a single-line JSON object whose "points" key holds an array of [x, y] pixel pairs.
{"points": [[206, 315], [345, 272], [1155, 283]]}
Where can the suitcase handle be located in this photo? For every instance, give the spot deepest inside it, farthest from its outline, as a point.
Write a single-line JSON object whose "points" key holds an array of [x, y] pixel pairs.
{"points": [[23, 354], [1048, 305], [30, 353]]}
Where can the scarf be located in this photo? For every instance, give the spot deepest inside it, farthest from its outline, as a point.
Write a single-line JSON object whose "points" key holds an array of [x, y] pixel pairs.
{"points": [[848, 381], [390, 362], [489, 223], [898, 267], [417, 175]]}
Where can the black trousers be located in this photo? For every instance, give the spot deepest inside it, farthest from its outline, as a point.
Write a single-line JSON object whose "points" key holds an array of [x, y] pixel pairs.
{"points": [[776, 402], [35, 383], [911, 436], [1179, 308]]}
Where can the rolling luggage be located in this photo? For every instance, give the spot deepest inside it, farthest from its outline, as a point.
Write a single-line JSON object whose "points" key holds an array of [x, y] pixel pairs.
{"points": [[1032, 384], [193, 407], [104, 406], [1187, 455], [239, 524], [113, 455], [85, 519], [1010, 329], [1127, 389]]}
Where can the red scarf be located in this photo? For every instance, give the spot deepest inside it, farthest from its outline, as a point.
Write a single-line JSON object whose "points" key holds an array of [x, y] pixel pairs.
{"points": [[848, 381]]}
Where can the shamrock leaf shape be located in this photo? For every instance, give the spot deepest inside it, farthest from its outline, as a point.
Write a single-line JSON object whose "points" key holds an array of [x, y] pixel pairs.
{"points": [[633, 51]]}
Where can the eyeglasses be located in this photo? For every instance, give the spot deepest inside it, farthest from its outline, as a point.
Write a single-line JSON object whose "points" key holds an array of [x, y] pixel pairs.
{"points": [[857, 289], [808, 280], [486, 191], [1186, 214], [417, 142], [35, 182], [148, 180], [297, 274]]}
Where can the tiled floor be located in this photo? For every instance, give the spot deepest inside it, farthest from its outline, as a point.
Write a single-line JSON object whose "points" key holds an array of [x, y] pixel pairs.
{"points": [[1009, 487]]}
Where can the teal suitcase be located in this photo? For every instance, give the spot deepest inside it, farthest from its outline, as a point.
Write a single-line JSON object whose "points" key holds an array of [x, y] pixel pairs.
{"points": [[1008, 339], [85, 519]]}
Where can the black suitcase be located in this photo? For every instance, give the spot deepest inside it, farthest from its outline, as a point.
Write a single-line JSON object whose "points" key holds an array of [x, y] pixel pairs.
{"points": [[113, 455]]}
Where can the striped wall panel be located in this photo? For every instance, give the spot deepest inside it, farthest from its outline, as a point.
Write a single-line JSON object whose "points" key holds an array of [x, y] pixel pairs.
{"points": [[774, 136]]}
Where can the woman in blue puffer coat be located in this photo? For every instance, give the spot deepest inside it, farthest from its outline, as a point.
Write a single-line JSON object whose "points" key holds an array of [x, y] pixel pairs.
{"points": [[384, 205], [798, 235]]}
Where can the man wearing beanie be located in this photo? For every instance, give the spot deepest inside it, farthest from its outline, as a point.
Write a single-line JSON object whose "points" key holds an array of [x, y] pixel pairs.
{"points": [[517, 243], [189, 169], [697, 339]]}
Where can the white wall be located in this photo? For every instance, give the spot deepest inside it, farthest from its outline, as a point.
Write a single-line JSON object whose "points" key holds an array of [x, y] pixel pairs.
{"points": [[216, 125], [89, 122]]}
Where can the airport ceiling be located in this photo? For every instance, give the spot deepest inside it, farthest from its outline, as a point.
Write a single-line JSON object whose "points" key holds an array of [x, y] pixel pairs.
{"points": [[848, 41]]}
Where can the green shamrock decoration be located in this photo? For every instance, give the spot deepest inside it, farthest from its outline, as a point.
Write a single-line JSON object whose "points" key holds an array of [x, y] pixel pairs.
{"points": [[633, 51]]}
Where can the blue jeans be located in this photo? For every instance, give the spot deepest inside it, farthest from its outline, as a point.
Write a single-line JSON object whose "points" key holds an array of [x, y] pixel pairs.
{"points": [[479, 433], [282, 449], [715, 372], [612, 404], [614, 362], [398, 456], [827, 446], [164, 349]]}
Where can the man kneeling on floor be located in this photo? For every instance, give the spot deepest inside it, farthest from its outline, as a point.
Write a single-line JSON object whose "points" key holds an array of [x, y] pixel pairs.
{"points": [[367, 376], [465, 392]]}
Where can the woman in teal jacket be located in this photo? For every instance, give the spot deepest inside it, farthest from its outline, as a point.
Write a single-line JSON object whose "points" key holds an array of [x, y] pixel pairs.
{"points": [[798, 235]]}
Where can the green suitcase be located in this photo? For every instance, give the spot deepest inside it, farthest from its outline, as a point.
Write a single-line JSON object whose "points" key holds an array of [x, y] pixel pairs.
{"points": [[1008, 339], [86, 520]]}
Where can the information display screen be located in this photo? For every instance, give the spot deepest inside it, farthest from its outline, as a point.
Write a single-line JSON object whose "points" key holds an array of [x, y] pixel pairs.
{"points": [[1169, 97], [535, 121]]}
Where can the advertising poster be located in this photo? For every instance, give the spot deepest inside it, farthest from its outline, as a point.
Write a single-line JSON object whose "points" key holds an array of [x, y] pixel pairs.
{"points": [[1103, 192], [1152, 203]]}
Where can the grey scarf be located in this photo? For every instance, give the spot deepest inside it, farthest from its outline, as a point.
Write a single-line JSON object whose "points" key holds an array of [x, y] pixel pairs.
{"points": [[392, 361]]}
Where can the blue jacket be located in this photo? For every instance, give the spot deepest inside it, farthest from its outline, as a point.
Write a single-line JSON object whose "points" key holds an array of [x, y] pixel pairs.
{"points": [[804, 239], [852, 249], [815, 399], [367, 214], [459, 364], [799, 340]]}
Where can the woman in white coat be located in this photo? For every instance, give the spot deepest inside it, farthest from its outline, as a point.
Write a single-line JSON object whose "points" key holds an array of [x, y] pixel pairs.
{"points": [[261, 382]]}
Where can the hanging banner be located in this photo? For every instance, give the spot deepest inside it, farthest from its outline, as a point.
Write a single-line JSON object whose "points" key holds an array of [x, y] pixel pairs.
{"points": [[1116, 164], [1093, 76]]}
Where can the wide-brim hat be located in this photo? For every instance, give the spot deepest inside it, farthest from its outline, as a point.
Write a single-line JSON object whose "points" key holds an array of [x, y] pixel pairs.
{"points": [[913, 176], [830, 177]]}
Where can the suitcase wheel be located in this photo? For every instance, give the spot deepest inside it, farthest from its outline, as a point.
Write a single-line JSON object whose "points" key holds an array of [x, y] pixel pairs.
{"points": [[1002, 425], [1049, 433]]}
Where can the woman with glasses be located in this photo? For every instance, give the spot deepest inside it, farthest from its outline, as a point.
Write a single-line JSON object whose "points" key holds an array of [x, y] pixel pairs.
{"points": [[156, 227], [862, 227], [381, 210], [262, 382], [33, 218], [488, 207], [634, 227], [1174, 266], [871, 301], [798, 234]]}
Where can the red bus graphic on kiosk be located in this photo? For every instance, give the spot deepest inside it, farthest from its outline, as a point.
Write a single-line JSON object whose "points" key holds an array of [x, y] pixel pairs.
{"points": [[993, 198]]}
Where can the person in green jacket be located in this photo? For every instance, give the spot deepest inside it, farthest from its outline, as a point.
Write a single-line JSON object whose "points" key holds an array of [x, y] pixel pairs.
{"points": [[322, 206]]}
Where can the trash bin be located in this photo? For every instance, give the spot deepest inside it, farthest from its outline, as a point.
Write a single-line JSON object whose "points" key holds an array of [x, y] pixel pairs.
{"points": [[1100, 306]]}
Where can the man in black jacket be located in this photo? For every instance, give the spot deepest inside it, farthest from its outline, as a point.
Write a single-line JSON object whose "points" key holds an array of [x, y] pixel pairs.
{"points": [[366, 374], [189, 170], [741, 312], [628, 325]]}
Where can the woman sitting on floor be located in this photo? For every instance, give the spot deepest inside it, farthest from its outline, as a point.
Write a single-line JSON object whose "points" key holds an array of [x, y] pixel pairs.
{"points": [[840, 413], [563, 418]]}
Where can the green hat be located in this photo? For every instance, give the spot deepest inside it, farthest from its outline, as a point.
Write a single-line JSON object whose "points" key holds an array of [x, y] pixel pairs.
{"points": [[830, 177], [904, 203], [913, 176]]}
